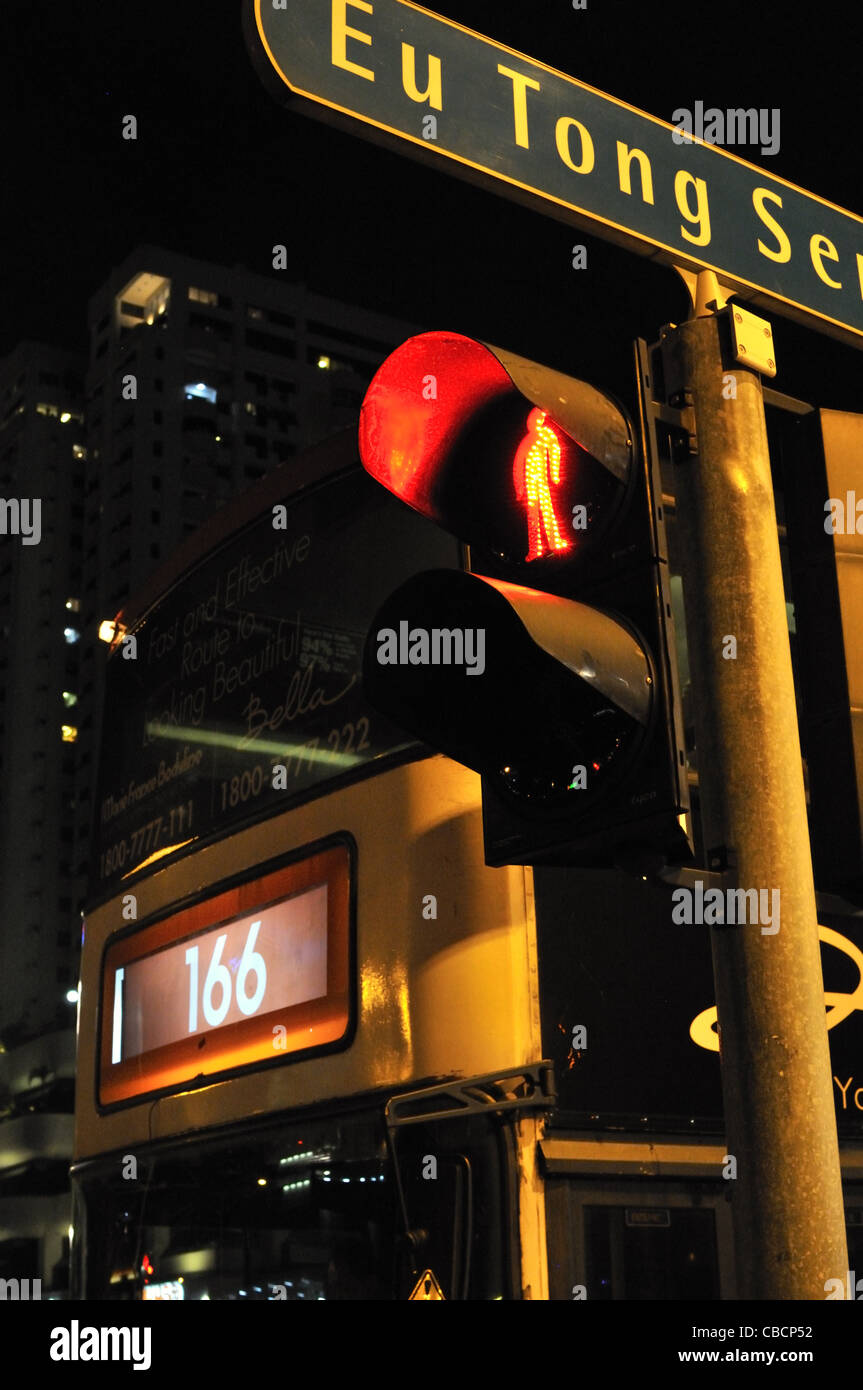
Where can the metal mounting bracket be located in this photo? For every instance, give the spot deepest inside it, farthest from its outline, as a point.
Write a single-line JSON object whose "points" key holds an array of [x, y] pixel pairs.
{"points": [[753, 340], [707, 294], [721, 870], [534, 1090]]}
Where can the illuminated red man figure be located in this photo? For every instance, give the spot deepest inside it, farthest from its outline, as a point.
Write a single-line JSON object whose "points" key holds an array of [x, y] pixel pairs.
{"points": [[537, 465]]}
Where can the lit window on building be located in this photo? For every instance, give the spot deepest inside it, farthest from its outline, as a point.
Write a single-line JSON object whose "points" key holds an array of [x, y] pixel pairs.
{"points": [[73, 605], [70, 733], [147, 295], [255, 313], [251, 408], [324, 363], [69, 698], [71, 634], [43, 408], [202, 296], [199, 390], [79, 451]]}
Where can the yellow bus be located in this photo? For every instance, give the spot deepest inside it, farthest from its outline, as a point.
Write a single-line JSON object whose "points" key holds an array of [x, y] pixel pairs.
{"points": [[309, 1059], [324, 1052]]}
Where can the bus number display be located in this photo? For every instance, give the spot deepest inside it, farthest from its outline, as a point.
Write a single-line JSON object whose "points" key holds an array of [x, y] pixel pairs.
{"points": [[209, 988], [219, 976]]}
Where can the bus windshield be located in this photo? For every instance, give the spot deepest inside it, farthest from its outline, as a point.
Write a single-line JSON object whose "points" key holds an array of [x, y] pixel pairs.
{"points": [[307, 1210]]}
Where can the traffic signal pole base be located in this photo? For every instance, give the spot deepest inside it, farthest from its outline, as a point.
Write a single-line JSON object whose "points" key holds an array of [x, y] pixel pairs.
{"points": [[776, 1074]]}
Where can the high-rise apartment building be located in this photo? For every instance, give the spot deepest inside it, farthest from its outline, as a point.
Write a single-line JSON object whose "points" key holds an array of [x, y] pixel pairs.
{"points": [[42, 461], [201, 378], [42, 458]]}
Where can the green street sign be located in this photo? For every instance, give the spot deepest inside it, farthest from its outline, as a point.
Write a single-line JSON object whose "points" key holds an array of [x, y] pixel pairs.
{"points": [[541, 138]]}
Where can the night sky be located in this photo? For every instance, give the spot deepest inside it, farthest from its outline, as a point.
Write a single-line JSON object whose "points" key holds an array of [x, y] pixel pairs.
{"points": [[221, 171]]}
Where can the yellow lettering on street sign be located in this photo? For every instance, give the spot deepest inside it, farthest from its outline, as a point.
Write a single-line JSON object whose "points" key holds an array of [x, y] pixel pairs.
{"points": [[527, 131]]}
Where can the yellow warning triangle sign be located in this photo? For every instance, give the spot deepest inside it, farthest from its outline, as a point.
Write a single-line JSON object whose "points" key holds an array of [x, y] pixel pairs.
{"points": [[427, 1288]]}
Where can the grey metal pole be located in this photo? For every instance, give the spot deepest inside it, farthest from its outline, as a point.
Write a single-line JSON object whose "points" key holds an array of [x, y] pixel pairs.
{"points": [[776, 1075]]}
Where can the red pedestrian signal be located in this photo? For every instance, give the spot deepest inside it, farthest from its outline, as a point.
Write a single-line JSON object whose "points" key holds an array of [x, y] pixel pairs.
{"points": [[500, 451], [535, 472]]}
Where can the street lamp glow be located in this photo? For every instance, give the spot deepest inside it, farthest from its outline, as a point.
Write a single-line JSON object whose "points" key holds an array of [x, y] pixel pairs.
{"points": [[109, 629]]}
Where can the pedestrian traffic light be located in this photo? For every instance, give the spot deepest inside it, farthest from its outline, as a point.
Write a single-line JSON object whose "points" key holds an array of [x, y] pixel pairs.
{"points": [[547, 665]]}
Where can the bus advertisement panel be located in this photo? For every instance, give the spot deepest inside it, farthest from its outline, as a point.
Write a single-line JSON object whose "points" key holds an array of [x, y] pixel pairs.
{"points": [[252, 664]]}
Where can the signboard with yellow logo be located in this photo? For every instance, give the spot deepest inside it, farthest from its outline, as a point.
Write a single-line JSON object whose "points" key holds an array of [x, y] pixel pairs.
{"points": [[629, 1005]]}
